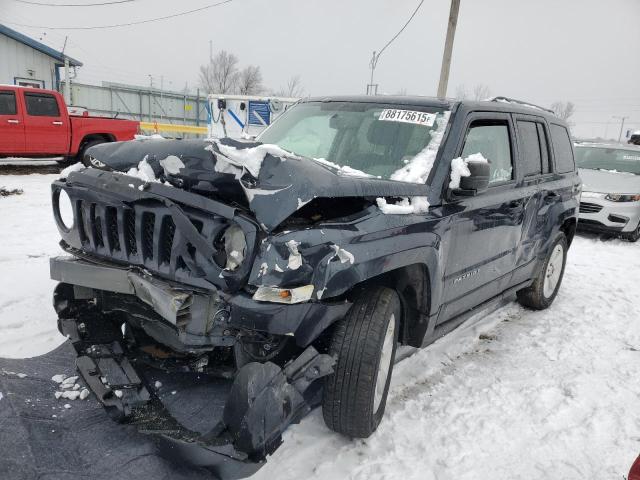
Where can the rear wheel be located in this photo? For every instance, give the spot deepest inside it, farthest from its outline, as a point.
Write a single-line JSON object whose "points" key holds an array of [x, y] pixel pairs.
{"points": [[364, 345], [541, 293], [82, 157]]}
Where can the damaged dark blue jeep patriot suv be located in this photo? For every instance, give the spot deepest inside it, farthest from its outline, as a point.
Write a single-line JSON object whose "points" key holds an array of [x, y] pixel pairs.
{"points": [[259, 279]]}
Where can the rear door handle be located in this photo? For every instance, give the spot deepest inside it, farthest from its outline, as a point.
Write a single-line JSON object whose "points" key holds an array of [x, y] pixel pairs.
{"points": [[13, 121], [56, 123]]}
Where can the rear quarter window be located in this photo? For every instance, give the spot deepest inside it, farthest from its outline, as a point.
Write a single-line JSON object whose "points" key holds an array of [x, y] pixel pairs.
{"points": [[562, 150]]}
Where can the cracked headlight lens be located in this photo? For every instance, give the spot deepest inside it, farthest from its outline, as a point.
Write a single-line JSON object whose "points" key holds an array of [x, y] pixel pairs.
{"points": [[235, 247]]}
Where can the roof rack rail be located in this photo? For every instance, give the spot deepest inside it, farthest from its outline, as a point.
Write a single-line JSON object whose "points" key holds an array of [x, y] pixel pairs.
{"points": [[519, 102]]}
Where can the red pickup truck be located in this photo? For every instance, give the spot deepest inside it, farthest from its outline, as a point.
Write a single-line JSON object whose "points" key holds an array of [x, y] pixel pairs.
{"points": [[35, 123]]}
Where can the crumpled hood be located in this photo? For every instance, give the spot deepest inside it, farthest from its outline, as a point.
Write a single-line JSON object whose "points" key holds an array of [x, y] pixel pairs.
{"points": [[227, 170], [602, 181]]}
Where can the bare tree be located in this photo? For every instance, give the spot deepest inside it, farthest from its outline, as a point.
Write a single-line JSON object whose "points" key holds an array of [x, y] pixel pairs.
{"points": [[461, 92], [293, 89], [563, 110], [250, 81], [481, 92], [220, 75]]}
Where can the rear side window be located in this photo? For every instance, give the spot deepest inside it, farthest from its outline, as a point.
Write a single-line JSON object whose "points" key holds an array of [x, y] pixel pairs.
{"points": [[562, 149], [41, 105], [492, 141], [7, 103], [531, 155]]}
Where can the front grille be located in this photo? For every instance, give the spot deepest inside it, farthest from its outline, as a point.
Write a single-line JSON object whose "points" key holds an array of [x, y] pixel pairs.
{"points": [[147, 235], [586, 207]]}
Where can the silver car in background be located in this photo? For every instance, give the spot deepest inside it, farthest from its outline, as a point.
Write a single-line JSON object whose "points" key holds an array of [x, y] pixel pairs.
{"points": [[610, 200]]}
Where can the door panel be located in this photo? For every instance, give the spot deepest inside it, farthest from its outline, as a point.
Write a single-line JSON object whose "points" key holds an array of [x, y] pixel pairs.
{"points": [[11, 124], [46, 127], [485, 230]]}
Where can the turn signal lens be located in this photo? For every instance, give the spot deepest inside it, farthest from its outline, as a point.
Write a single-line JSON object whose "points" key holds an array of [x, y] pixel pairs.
{"points": [[283, 295]]}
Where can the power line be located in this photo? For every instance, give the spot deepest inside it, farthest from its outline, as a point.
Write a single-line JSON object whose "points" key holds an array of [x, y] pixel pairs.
{"points": [[401, 30], [73, 4], [140, 22], [376, 57]]}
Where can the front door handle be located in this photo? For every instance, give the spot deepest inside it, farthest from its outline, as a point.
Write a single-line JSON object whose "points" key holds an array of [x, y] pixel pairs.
{"points": [[56, 123], [13, 121]]}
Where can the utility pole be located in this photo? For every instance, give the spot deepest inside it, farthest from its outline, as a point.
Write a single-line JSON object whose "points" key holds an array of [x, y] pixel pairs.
{"points": [[67, 88], [622, 119], [448, 48]]}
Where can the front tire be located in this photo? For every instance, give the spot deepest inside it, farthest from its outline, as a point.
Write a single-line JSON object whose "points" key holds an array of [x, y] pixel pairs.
{"points": [[541, 293], [364, 345], [632, 236]]}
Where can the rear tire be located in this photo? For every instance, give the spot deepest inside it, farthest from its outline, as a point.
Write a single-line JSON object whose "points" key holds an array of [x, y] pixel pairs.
{"points": [[82, 157], [364, 345], [541, 293]]}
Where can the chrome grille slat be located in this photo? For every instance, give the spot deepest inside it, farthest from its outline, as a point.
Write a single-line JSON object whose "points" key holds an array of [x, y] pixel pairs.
{"points": [[586, 207]]}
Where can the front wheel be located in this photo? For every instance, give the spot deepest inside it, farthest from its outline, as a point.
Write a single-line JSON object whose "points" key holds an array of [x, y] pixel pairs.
{"points": [[541, 293], [82, 157], [364, 345], [633, 236]]}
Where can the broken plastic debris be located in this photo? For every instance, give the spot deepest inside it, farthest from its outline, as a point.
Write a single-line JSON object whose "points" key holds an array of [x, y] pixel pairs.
{"points": [[158, 384], [84, 393], [70, 380], [118, 393], [343, 255], [67, 406]]}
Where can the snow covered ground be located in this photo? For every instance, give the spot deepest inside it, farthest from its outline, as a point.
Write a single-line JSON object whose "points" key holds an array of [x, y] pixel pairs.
{"points": [[515, 395]]}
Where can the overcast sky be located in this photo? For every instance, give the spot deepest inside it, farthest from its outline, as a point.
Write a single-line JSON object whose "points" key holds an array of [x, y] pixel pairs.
{"points": [[585, 51]]}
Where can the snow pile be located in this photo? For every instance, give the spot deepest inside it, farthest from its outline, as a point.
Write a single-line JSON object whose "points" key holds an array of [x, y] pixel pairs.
{"points": [[418, 168], [460, 168], [171, 165], [155, 136], [143, 171], [405, 206], [76, 167], [343, 255], [295, 259], [69, 389], [236, 161], [344, 170]]}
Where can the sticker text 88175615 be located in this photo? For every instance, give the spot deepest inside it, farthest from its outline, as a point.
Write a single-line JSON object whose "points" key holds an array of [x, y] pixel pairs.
{"points": [[407, 116]]}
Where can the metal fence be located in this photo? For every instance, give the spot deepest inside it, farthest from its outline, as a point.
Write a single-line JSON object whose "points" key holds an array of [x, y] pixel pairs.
{"points": [[139, 103]]}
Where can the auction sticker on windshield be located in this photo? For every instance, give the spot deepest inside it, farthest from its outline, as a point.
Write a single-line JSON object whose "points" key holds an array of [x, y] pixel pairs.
{"points": [[407, 116]]}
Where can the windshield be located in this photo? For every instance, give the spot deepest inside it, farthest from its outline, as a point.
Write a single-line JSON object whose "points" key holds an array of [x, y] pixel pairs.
{"points": [[610, 159], [376, 139]]}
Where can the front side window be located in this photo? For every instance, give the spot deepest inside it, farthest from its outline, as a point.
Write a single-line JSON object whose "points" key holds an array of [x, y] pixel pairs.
{"points": [[7, 103], [376, 139], [492, 141], [41, 105], [609, 159]]}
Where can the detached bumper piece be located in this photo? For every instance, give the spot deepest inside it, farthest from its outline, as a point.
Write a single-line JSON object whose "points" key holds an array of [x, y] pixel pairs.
{"points": [[260, 403]]}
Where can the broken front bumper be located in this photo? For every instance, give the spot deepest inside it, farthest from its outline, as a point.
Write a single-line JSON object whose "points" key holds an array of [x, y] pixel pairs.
{"points": [[227, 426], [190, 320]]}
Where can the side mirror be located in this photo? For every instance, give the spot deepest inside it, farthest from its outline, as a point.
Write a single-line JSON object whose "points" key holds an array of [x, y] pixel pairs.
{"points": [[477, 182]]}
